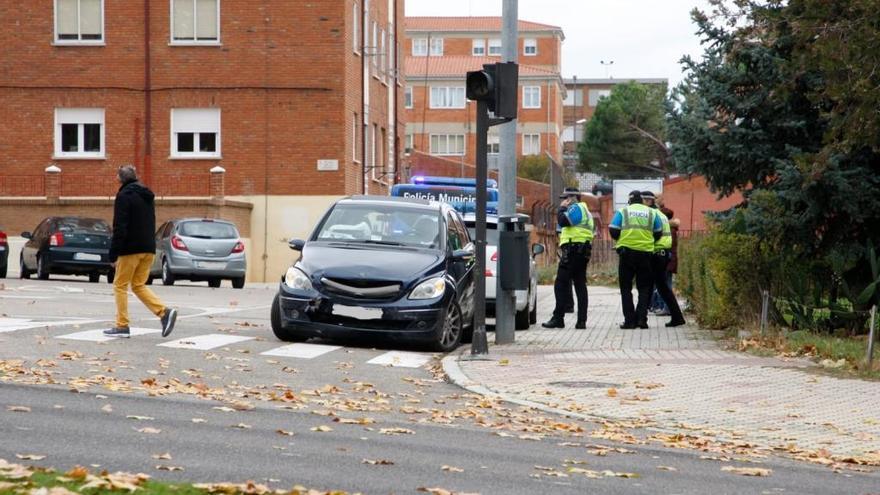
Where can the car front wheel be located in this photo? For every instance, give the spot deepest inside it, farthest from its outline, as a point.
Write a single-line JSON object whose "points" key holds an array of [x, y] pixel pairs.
{"points": [[278, 329], [449, 333], [42, 267], [167, 276], [23, 272]]}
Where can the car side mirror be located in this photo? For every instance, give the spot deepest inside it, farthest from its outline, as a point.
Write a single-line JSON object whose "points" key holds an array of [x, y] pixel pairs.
{"points": [[296, 244], [538, 248], [463, 254], [27, 235]]}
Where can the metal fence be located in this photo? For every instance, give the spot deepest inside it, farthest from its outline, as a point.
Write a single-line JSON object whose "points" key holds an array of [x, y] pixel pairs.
{"points": [[23, 185]]}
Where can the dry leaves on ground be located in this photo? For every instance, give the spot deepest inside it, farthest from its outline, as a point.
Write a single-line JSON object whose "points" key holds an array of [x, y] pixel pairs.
{"points": [[322, 429], [163, 467], [396, 431], [452, 469], [162, 457], [30, 457], [378, 462], [747, 471], [150, 431], [18, 409]]}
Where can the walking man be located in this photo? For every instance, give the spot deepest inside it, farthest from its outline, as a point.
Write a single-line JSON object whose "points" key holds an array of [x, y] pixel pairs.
{"points": [[132, 249], [659, 261], [635, 228], [576, 246]]}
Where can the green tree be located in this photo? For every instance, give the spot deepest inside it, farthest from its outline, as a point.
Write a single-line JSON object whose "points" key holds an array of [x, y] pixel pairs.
{"points": [[777, 107], [627, 133], [534, 167]]}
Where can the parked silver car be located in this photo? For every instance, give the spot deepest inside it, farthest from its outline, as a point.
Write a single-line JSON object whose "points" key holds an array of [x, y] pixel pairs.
{"points": [[199, 249]]}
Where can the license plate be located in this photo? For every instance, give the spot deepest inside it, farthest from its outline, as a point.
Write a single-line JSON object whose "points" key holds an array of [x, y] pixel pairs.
{"points": [[212, 265], [87, 257], [2, 248], [358, 312]]}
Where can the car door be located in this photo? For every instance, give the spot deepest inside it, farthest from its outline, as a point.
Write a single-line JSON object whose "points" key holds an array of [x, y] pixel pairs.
{"points": [[457, 238], [162, 235], [32, 246]]}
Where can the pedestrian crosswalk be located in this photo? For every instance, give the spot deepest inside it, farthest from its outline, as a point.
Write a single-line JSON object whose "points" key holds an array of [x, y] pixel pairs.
{"points": [[209, 341]]}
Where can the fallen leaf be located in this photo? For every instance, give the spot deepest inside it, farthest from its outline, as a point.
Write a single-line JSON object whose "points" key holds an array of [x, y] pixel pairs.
{"points": [[242, 426], [18, 409], [503, 362], [612, 392], [285, 433], [107, 409], [452, 469], [162, 457], [140, 418], [223, 408], [745, 471], [396, 431], [377, 462], [150, 431], [163, 467], [199, 420], [77, 473], [667, 468], [30, 457], [322, 428]]}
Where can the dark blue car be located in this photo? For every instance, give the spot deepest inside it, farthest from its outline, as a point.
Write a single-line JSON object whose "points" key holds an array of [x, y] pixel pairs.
{"points": [[395, 267]]}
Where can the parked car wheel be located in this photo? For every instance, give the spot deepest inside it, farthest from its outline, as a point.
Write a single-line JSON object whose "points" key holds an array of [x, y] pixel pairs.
{"points": [[214, 282], [238, 283], [449, 334], [23, 272], [167, 276], [42, 267], [280, 332], [94, 277]]}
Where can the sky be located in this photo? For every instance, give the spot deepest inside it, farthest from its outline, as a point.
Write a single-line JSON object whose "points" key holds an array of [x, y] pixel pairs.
{"points": [[643, 38]]}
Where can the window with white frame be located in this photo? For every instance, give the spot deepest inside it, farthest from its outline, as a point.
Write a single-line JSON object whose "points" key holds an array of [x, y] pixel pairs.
{"points": [[447, 97], [574, 98], [195, 21], [494, 142], [79, 133], [447, 144], [478, 48], [531, 144], [195, 133], [495, 46], [530, 47], [436, 47], [408, 97], [408, 144], [420, 47], [374, 151], [354, 28], [354, 137], [531, 96], [79, 21], [598, 94], [375, 45], [381, 55]]}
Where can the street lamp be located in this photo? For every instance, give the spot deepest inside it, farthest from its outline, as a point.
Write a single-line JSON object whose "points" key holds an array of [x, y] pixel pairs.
{"points": [[607, 66]]}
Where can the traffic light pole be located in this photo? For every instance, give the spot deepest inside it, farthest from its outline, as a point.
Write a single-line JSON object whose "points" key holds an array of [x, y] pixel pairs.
{"points": [[505, 299], [480, 343]]}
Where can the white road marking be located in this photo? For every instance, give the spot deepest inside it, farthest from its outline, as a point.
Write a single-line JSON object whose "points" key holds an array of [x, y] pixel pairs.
{"points": [[221, 311], [25, 297], [98, 335], [302, 351], [205, 342], [401, 359], [13, 324]]}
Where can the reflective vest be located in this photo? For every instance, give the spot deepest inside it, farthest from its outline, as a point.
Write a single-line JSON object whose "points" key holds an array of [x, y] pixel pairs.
{"points": [[665, 242], [637, 228], [580, 233]]}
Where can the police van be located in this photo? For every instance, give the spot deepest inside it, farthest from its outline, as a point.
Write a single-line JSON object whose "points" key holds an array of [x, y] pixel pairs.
{"points": [[461, 194]]}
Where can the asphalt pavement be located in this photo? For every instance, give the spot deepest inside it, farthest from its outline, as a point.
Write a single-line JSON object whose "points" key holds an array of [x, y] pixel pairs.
{"points": [[229, 402]]}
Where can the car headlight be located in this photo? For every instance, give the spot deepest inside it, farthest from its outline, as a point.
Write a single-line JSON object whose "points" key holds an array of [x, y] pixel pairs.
{"points": [[297, 279], [429, 289]]}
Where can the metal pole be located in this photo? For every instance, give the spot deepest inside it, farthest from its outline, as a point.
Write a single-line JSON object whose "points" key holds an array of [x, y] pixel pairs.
{"points": [[505, 300], [480, 345], [870, 356], [765, 302]]}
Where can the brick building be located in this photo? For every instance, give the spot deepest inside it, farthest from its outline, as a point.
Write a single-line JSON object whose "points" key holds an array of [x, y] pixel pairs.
{"points": [[439, 119], [581, 98], [298, 103]]}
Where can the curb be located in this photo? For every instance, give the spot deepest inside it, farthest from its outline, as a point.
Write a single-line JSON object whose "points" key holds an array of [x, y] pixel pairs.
{"points": [[456, 376]]}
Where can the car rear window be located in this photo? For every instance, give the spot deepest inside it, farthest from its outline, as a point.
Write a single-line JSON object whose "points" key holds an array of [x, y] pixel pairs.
{"points": [[208, 230], [72, 224]]}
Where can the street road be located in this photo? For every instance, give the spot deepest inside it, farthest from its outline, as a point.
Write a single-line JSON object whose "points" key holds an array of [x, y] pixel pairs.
{"points": [[228, 402]]}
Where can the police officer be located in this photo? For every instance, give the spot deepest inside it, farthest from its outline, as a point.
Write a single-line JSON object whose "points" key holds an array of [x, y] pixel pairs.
{"points": [[662, 254], [635, 228], [576, 246]]}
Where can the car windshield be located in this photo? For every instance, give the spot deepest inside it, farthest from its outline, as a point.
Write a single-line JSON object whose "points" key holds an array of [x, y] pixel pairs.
{"points": [[382, 224], [208, 230], [73, 224], [491, 233]]}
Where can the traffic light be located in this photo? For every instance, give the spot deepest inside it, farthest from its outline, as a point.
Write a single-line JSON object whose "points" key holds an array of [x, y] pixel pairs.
{"points": [[496, 85]]}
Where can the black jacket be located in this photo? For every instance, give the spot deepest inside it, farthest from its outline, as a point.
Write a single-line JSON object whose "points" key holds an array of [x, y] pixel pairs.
{"points": [[134, 221]]}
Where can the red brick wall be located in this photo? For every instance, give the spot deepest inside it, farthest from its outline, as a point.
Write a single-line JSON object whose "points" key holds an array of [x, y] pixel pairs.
{"points": [[285, 78]]}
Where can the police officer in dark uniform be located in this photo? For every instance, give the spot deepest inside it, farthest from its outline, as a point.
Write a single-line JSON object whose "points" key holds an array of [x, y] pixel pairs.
{"points": [[661, 257], [576, 247]]}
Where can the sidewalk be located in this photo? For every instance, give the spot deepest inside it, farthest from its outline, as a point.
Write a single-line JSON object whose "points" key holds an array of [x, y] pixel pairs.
{"points": [[676, 381]]}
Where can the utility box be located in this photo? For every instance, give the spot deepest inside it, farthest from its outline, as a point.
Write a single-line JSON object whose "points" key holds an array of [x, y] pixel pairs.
{"points": [[513, 244]]}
